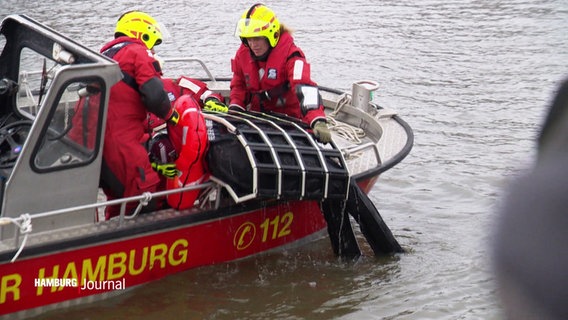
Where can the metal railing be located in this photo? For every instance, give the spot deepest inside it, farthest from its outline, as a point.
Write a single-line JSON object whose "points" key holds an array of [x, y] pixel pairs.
{"points": [[23, 224]]}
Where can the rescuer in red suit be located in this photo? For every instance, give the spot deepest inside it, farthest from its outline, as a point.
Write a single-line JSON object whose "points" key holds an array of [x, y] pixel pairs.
{"points": [[126, 169], [270, 73]]}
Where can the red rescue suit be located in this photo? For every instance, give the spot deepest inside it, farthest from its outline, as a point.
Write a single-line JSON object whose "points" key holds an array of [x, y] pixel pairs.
{"points": [[184, 86], [189, 137], [125, 159], [271, 85]]}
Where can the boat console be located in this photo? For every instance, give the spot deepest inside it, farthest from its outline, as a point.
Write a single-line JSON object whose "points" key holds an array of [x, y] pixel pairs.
{"points": [[46, 161]]}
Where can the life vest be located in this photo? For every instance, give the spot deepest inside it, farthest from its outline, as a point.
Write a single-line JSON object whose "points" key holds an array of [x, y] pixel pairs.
{"points": [[190, 162]]}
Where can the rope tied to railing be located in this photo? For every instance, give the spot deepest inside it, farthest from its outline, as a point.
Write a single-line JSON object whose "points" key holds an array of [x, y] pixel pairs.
{"points": [[143, 202], [147, 198], [24, 223]]}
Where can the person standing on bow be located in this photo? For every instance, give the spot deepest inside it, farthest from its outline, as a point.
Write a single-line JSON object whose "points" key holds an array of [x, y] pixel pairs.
{"points": [[270, 73], [126, 170]]}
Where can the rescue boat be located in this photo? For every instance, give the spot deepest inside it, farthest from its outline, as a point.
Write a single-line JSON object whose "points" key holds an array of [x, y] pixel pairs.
{"points": [[290, 190]]}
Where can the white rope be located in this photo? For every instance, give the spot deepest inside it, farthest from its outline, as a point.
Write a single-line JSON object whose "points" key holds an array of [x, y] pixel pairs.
{"points": [[345, 99], [25, 228], [143, 202], [344, 130]]}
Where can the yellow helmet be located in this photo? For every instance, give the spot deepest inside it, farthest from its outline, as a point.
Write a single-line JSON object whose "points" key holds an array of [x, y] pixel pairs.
{"points": [[140, 25], [259, 21]]}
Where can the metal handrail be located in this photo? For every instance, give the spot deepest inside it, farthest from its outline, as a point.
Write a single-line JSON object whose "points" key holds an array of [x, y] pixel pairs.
{"points": [[349, 151], [23, 224], [142, 199], [190, 59]]}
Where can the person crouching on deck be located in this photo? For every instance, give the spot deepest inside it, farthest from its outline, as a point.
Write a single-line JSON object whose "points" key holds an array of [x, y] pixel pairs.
{"points": [[271, 74], [126, 169]]}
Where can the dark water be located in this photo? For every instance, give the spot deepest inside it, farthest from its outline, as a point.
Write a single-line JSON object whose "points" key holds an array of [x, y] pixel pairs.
{"points": [[473, 78]]}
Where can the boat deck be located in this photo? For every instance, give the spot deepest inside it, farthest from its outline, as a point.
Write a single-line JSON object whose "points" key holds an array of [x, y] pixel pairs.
{"points": [[367, 154]]}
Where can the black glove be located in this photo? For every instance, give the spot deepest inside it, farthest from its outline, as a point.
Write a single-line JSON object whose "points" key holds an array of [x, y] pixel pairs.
{"points": [[236, 107]]}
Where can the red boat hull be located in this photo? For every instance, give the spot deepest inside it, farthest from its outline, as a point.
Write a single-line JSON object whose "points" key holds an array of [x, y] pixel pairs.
{"points": [[116, 265]]}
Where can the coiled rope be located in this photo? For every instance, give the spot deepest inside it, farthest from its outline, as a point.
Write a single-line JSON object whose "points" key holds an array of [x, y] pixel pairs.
{"points": [[344, 130]]}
